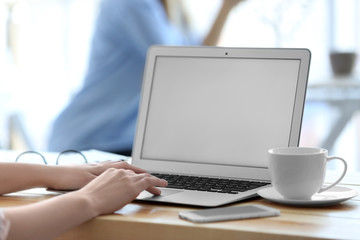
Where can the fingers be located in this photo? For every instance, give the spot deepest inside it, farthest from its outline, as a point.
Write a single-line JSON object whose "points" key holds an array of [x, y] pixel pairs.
{"points": [[115, 188], [120, 165], [141, 181], [125, 165], [138, 176], [150, 183], [145, 181]]}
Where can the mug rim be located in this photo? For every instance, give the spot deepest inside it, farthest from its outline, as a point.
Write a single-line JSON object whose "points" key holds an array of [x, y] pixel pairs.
{"points": [[299, 151]]}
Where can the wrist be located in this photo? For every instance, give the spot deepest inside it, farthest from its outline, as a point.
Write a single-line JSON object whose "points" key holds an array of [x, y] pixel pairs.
{"points": [[51, 177], [41, 175], [67, 177], [88, 203]]}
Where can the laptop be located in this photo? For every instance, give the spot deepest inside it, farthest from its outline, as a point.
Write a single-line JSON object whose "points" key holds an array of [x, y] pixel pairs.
{"points": [[210, 114]]}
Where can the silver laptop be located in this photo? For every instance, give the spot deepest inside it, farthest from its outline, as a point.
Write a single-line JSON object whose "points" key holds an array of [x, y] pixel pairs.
{"points": [[211, 113]]}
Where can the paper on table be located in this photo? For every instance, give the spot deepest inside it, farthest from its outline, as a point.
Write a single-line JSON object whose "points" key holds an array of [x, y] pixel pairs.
{"points": [[92, 156]]}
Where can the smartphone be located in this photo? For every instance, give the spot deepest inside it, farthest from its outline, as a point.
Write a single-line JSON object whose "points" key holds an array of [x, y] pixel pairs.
{"points": [[229, 213]]}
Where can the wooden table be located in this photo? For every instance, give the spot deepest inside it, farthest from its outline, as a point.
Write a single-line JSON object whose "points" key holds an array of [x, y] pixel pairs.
{"points": [[158, 221]]}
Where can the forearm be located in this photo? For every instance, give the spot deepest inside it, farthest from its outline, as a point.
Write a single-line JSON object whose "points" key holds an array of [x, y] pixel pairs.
{"points": [[20, 176], [50, 218], [108, 192]]}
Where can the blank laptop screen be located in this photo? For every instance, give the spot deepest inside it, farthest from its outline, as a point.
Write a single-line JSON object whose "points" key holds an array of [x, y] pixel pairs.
{"points": [[219, 111]]}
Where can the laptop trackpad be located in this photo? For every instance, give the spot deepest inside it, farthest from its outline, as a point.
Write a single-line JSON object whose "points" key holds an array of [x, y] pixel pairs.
{"points": [[164, 193]]}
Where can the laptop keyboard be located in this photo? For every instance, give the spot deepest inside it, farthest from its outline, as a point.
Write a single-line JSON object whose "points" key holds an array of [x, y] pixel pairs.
{"points": [[208, 184]]}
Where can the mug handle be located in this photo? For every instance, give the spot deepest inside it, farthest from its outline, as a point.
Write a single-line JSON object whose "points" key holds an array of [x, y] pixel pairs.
{"points": [[322, 189]]}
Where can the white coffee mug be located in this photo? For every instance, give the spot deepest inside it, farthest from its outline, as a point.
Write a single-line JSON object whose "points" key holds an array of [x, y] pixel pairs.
{"points": [[299, 172]]}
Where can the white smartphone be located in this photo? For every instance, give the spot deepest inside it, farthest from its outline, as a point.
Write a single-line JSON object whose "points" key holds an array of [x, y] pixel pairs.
{"points": [[229, 213]]}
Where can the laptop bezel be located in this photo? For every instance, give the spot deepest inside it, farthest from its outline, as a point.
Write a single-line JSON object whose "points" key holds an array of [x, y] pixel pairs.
{"points": [[152, 165]]}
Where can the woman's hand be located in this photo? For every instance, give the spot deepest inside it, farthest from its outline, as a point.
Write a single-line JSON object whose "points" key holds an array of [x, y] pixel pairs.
{"points": [[115, 188]]}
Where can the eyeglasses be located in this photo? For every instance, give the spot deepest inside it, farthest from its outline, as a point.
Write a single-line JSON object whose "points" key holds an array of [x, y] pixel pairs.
{"points": [[57, 159]]}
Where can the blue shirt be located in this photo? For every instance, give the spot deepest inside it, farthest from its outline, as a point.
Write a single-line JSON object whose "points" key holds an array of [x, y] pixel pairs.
{"points": [[103, 114]]}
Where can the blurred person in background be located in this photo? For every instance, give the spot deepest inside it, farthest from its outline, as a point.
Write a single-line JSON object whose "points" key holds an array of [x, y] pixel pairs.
{"points": [[103, 114]]}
